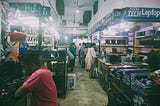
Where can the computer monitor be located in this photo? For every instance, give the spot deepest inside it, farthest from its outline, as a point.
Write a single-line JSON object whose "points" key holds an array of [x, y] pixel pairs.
{"points": [[115, 59]]}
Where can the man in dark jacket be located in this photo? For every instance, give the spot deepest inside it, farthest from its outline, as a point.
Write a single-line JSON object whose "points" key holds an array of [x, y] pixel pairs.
{"points": [[72, 49], [153, 59], [82, 55]]}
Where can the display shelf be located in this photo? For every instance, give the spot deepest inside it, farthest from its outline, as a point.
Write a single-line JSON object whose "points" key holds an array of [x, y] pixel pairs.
{"points": [[140, 37], [103, 72], [123, 92], [145, 40], [140, 44], [114, 45], [139, 50], [130, 41], [138, 93]]}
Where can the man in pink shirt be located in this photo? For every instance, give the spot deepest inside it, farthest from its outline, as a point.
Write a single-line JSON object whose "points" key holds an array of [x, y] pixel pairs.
{"points": [[39, 84]]}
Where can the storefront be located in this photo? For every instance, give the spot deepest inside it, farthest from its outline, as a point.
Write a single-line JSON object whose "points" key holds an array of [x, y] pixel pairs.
{"points": [[125, 82], [128, 22], [34, 20], [24, 26]]}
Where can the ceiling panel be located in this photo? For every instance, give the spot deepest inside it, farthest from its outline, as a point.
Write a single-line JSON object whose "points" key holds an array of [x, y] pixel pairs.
{"points": [[72, 18]]}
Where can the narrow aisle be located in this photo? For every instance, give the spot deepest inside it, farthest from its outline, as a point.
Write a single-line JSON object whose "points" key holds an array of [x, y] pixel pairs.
{"points": [[88, 92]]}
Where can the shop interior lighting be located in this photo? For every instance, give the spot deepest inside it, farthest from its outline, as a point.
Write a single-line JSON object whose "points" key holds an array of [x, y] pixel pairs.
{"points": [[12, 22], [66, 38], [105, 31], [121, 27], [26, 21], [57, 36], [29, 21], [109, 31], [126, 25], [77, 6], [52, 29], [127, 29], [77, 10]]}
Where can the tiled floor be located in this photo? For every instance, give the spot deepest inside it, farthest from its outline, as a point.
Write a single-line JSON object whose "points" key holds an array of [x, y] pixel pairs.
{"points": [[88, 92]]}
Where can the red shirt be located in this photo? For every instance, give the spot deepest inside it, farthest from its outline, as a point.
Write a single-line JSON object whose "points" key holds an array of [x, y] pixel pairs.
{"points": [[42, 88]]}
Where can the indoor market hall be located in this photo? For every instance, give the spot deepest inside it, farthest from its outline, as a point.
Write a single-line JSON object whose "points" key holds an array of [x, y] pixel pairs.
{"points": [[79, 53], [85, 92]]}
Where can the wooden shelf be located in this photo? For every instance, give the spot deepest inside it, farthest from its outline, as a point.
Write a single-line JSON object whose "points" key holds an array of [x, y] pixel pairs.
{"points": [[114, 45], [139, 37], [142, 46]]}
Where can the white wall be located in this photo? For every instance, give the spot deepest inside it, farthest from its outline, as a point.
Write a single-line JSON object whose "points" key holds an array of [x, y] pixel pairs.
{"points": [[105, 8]]}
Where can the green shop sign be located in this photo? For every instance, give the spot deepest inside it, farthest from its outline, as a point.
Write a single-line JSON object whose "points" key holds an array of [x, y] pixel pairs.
{"points": [[141, 14], [31, 9], [130, 14]]}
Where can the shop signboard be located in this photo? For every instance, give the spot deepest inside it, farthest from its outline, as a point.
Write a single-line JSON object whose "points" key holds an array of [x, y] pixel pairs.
{"points": [[112, 18], [31, 9], [17, 36], [117, 15], [15, 28], [23, 47], [108, 19], [46, 11], [32, 40], [141, 14], [133, 14], [11, 51]]}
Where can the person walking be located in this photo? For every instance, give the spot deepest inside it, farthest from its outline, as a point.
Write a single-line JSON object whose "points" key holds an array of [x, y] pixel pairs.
{"points": [[80, 45], [90, 57], [71, 59], [82, 55], [72, 49]]}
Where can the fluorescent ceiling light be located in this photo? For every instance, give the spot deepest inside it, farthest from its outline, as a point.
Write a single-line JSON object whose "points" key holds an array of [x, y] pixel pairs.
{"points": [[77, 11]]}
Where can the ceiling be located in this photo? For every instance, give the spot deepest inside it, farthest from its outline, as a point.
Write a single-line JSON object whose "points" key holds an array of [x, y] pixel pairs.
{"points": [[71, 18]]}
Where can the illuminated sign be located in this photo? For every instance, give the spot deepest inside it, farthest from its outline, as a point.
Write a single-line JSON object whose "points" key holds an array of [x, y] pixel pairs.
{"points": [[142, 14], [45, 11], [117, 13], [31, 9], [131, 14]]}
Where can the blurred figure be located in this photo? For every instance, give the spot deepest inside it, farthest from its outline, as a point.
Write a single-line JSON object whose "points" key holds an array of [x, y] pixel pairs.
{"points": [[71, 59], [153, 59], [72, 49], [129, 55], [79, 51], [90, 57], [82, 55]]}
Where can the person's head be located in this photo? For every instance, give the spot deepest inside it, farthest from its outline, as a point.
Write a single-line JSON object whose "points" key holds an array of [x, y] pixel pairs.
{"points": [[129, 51], [94, 46], [83, 44], [29, 60]]}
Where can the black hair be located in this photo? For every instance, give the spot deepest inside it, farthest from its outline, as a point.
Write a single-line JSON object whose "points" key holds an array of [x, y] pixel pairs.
{"points": [[93, 44], [129, 51], [29, 57]]}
